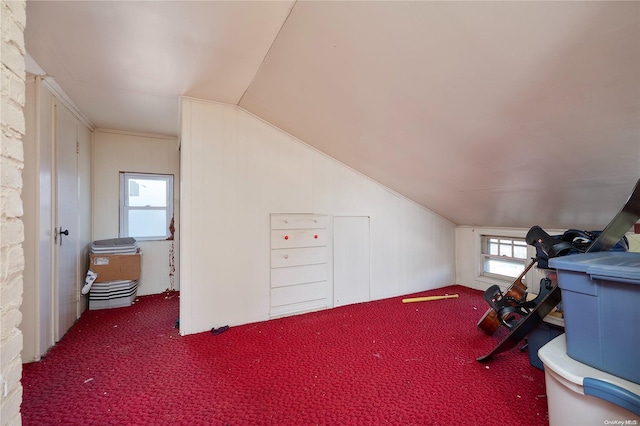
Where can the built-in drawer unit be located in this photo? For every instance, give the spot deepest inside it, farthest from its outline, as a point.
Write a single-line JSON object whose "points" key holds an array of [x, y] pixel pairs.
{"points": [[298, 263]]}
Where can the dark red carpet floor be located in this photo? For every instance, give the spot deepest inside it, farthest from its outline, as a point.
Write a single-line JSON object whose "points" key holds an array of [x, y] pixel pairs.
{"points": [[381, 362]]}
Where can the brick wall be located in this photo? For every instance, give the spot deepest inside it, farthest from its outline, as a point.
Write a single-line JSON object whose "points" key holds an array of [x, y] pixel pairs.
{"points": [[12, 128]]}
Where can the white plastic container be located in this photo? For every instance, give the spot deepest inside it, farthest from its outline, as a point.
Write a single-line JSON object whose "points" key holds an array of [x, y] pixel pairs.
{"points": [[578, 394]]}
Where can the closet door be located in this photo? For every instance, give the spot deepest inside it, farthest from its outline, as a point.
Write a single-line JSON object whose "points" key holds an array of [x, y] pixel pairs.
{"points": [[66, 286], [351, 274]]}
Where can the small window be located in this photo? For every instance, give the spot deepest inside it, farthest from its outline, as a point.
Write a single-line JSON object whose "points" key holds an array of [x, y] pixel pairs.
{"points": [[503, 258], [146, 205]]}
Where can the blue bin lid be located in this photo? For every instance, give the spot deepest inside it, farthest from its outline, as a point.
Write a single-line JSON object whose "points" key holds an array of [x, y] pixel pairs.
{"points": [[613, 264]]}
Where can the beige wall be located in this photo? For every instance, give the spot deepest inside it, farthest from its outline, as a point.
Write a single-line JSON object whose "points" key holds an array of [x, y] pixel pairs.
{"points": [[236, 171], [115, 152], [12, 126], [634, 242]]}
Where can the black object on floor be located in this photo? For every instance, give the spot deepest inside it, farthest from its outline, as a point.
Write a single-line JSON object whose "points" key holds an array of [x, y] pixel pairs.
{"points": [[216, 331]]}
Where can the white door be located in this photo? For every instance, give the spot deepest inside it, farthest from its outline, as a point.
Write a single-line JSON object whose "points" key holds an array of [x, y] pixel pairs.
{"points": [[350, 260], [66, 286]]}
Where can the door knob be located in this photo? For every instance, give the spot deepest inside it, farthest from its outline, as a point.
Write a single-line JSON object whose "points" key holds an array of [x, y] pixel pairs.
{"points": [[61, 233]]}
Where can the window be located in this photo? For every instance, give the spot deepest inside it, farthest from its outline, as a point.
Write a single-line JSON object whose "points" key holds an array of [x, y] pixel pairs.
{"points": [[503, 258], [146, 205]]}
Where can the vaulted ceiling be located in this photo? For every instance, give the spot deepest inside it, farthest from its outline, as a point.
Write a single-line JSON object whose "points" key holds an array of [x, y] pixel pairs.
{"points": [[488, 113]]}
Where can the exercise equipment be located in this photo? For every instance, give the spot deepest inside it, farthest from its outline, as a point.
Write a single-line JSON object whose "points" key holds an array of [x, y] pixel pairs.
{"points": [[547, 246]]}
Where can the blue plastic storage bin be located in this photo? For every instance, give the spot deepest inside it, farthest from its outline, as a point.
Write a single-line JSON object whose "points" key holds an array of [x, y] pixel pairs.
{"points": [[539, 337], [601, 303]]}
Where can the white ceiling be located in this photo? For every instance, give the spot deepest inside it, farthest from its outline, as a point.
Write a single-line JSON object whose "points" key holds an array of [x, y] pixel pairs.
{"points": [[488, 113]]}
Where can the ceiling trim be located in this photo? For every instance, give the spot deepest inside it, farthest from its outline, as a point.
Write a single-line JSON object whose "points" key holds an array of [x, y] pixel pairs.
{"points": [[59, 94], [137, 134], [33, 68]]}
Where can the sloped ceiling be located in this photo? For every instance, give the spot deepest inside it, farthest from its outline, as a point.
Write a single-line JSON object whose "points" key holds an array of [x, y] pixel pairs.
{"points": [[488, 113], [125, 63]]}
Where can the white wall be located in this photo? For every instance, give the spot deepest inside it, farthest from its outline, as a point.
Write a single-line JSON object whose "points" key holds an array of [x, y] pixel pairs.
{"points": [[115, 152], [236, 170], [634, 242]]}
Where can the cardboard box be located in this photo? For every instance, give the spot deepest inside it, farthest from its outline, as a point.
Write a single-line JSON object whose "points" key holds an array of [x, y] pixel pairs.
{"points": [[111, 267]]}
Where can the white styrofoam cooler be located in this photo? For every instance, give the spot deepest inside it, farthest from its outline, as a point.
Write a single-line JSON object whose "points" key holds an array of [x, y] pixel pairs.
{"points": [[578, 394]]}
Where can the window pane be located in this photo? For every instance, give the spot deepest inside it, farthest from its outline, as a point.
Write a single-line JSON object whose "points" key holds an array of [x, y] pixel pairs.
{"points": [[503, 257], [134, 189], [151, 193], [520, 252], [503, 267], [505, 250], [493, 246], [147, 223]]}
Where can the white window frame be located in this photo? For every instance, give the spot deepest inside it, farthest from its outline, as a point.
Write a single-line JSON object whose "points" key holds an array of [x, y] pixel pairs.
{"points": [[485, 255], [125, 177]]}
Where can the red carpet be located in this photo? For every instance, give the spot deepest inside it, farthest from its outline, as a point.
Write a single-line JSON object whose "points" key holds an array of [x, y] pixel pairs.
{"points": [[381, 362]]}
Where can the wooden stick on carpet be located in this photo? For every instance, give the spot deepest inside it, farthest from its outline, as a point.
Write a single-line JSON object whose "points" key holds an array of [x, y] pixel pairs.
{"points": [[428, 298]]}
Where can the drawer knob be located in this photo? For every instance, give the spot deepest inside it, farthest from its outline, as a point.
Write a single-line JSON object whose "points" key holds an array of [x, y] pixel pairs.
{"points": [[286, 237], [286, 256], [315, 236]]}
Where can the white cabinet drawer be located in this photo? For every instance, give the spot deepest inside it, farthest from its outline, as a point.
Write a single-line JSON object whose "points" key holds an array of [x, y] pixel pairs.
{"points": [[281, 277], [298, 308], [298, 293], [290, 238], [298, 256], [298, 221]]}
